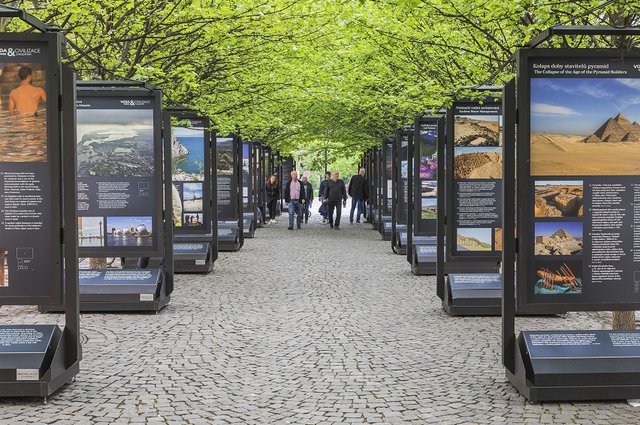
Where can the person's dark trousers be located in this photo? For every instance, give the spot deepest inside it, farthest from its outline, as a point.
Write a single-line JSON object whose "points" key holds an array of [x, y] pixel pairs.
{"points": [[297, 207], [359, 203], [272, 209], [337, 207], [306, 211]]}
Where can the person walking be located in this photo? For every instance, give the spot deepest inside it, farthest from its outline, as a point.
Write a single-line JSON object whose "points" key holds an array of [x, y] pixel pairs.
{"points": [[307, 189], [324, 208], [336, 192], [294, 196], [358, 192], [273, 196]]}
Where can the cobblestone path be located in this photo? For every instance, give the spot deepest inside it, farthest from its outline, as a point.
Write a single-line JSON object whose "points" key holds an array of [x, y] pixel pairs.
{"points": [[300, 327]]}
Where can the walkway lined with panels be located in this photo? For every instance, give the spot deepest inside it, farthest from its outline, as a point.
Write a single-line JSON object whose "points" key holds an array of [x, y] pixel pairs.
{"points": [[300, 327]]}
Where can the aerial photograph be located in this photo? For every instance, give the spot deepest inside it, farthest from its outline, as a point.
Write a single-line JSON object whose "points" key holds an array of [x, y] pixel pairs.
{"points": [[477, 130], [559, 198], [115, 142]]}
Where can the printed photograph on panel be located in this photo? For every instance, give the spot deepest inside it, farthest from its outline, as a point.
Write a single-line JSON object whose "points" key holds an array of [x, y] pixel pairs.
{"points": [[558, 277], [477, 130], [477, 163], [585, 126], [429, 209], [129, 231], [187, 154], [4, 268], [91, 231], [192, 197], [558, 238], [115, 142], [474, 239], [192, 219], [224, 149], [559, 198], [23, 105]]}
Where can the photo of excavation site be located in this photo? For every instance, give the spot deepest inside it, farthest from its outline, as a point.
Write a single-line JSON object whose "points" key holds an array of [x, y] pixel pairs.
{"points": [[192, 197], [558, 238], [429, 209], [477, 163], [559, 198], [224, 149], [474, 239], [23, 109], [90, 231], [115, 142], [476, 130], [585, 126], [429, 189], [4, 268], [557, 277]]}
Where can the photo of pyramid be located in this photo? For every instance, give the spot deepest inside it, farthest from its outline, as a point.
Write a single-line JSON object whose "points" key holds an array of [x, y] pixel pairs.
{"points": [[585, 126], [558, 238]]}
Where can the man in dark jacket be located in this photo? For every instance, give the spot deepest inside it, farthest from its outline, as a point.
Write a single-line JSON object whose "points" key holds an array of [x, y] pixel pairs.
{"points": [[294, 196], [336, 192], [324, 208], [307, 188], [359, 194]]}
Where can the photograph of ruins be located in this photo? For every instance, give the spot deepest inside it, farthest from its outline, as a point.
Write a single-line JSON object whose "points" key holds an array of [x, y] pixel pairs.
{"points": [[115, 142], [558, 238], [559, 198], [477, 130], [474, 239], [585, 126], [477, 163], [4, 268]]}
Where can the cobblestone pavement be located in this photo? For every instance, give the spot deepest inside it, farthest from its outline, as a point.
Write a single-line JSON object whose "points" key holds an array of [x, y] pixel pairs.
{"points": [[302, 327]]}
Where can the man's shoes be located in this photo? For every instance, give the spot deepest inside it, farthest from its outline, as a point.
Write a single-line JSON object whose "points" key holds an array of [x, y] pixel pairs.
{"points": [[306, 221], [351, 222], [290, 228], [357, 222], [298, 226], [337, 227], [324, 221], [331, 224]]}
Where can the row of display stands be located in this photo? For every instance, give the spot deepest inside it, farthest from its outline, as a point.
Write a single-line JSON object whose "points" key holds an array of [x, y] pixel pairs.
{"points": [[108, 194], [542, 226]]}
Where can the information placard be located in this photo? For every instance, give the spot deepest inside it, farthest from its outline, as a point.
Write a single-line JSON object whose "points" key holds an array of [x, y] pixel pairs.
{"points": [[30, 188], [474, 171], [403, 171], [190, 173], [227, 178], [119, 171], [387, 176], [426, 133], [578, 179]]}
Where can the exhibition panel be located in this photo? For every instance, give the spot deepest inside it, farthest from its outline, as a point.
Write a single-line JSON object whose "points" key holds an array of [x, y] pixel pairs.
{"points": [[400, 190], [229, 193]]}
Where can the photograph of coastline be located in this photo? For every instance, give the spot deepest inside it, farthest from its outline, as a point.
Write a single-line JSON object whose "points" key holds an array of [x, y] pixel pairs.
{"points": [[224, 149], [115, 142], [192, 219], [129, 231], [429, 189], [477, 130], [557, 277], [23, 133], [560, 198], [429, 209], [187, 154], [91, 231], [192, 197], [585, 126], [558, 238], [4, 268], [473, 239], [477, 163]]}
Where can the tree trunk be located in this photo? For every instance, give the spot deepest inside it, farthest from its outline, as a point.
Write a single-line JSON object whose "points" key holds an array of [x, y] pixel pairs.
{"points": [[624, 320]]}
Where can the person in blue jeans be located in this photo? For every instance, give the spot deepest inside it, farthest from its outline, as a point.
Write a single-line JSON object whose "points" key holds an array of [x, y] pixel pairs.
{"points": [[324, 208], [359, 194], [294, 196]]}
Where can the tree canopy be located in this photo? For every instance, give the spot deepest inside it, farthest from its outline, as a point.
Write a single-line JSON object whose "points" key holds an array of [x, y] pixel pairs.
{"points": [[315, 77]]}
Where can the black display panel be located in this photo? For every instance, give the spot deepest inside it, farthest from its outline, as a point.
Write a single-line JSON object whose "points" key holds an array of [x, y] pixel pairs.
{"points": [[190, 172], [387, 175], [427, 130], [578, 180], [246, 177], [227, 178], [474, 180], [119, 171], [402, 147], [30, 174]]}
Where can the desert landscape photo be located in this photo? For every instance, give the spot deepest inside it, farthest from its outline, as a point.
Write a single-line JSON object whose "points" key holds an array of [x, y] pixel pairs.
{"points": [[429, 209], [558, 238], [474, 239], [476, 130], [583, 126], [559, 198], [477, 163]]}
